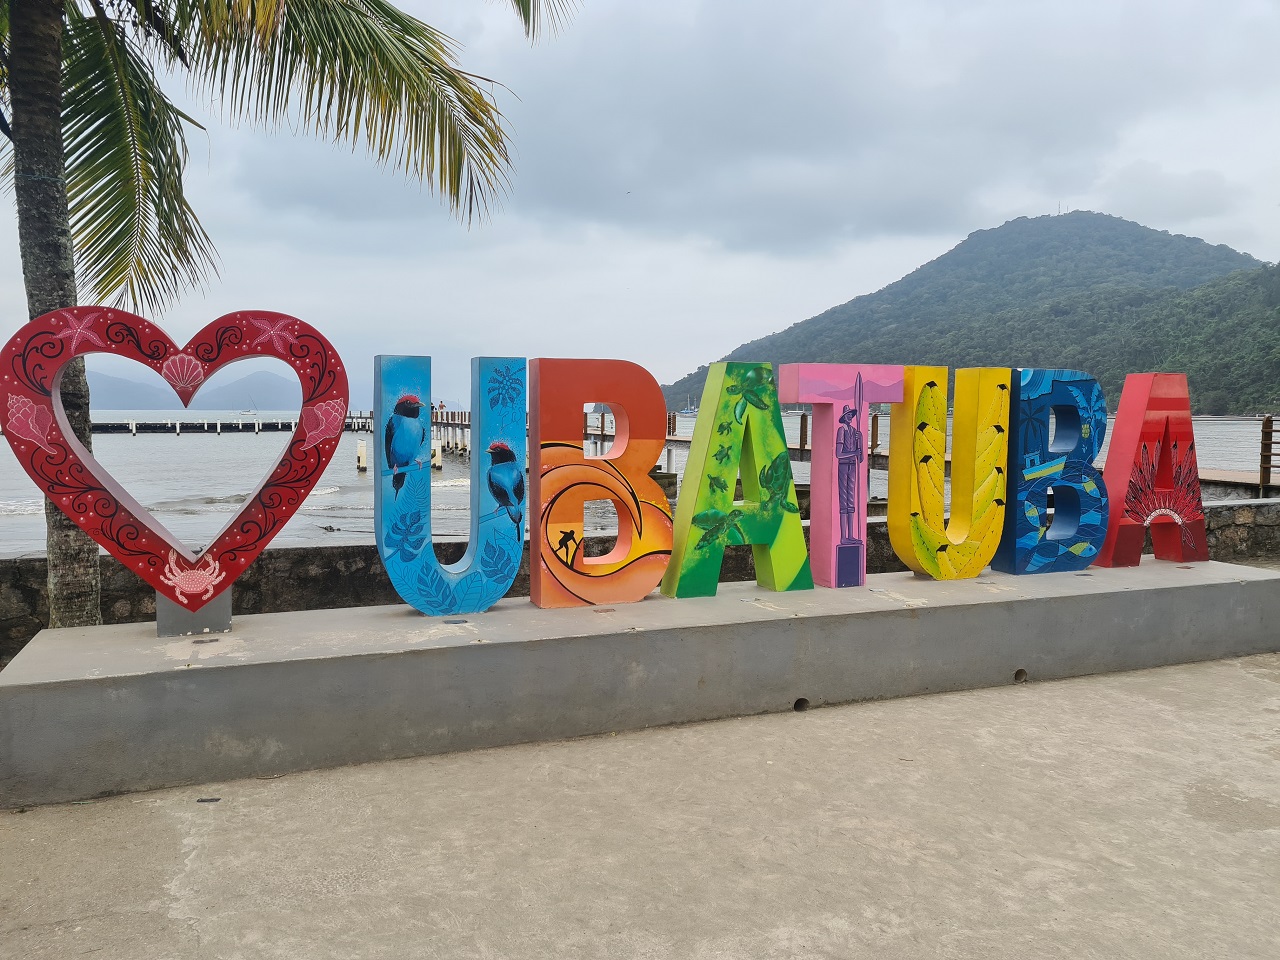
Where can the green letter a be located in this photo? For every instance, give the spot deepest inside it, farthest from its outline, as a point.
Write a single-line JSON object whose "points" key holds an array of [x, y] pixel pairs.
{"points": [[739, 426]]}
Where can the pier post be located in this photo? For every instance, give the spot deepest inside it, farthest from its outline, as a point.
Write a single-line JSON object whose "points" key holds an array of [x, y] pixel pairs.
{"points": [[804, 431], [875, 432], [361, 453], [1266, 455]]}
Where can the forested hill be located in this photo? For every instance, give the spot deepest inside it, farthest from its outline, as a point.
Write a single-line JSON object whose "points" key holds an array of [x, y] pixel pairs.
{"points": [[1082, 290]]}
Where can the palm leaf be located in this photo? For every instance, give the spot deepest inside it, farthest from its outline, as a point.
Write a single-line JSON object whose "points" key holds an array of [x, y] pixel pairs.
{"points": [[5, 111], [136, 238], [361, 72], [537, 15], [358, 71]]}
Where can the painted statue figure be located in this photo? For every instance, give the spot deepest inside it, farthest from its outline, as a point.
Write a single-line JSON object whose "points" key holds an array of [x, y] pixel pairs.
{"points": [[850, 452]]}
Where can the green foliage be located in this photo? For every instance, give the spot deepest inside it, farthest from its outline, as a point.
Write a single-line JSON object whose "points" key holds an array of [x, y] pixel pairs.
{"points": [[359, 72], [135, 234], [1083, 291]]}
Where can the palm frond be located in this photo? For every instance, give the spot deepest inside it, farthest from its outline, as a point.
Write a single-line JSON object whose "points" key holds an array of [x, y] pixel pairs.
{"points": [[5, 112], [539, 15], [157, 27], [364, 73], [137, 240]]}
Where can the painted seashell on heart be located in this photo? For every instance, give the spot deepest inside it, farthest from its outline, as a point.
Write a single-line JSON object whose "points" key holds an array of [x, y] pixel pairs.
{"points": [[183, 371]]}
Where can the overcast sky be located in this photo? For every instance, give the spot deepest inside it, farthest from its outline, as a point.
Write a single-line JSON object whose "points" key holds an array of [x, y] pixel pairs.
{"points": [[692, 174]]}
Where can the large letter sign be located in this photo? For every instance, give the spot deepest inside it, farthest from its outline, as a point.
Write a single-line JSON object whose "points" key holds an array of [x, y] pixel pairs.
{"points": [[739, 425], [840, 394], [402, 489], [36, 427], [1062, 463], [920, 535], [1027, 436], [1152, 474], [563, 479]]}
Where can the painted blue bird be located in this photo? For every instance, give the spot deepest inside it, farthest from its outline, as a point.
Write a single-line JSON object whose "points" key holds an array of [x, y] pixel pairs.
{"points": [[404, 438], [506, 481]]}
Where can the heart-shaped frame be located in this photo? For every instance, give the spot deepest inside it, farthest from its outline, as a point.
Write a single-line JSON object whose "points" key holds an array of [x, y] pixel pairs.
{"points": [[36, 427]]}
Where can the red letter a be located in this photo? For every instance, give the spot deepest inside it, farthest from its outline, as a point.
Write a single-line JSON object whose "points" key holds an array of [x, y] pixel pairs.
{"points": [[1152, 476]]}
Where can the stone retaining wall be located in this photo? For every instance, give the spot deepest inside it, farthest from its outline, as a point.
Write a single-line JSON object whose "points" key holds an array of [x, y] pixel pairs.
{"points": [[325, 577], [1243, 530]]}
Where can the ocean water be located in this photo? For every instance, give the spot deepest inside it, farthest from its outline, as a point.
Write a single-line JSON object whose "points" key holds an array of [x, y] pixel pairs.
{"points": [[195, 483]]}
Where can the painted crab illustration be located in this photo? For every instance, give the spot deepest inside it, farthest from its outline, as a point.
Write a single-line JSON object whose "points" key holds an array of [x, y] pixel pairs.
{"points": [[204, 576]]}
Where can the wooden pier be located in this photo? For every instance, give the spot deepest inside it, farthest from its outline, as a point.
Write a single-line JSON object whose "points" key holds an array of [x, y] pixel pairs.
{"points": [[356, 422]]}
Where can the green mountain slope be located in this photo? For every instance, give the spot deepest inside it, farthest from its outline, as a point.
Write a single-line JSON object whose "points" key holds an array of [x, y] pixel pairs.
{"points": [[1224, 335], [1081, 290]]}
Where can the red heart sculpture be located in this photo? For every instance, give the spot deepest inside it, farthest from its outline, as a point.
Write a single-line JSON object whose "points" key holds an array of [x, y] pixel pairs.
{"points": [[36, 427]]}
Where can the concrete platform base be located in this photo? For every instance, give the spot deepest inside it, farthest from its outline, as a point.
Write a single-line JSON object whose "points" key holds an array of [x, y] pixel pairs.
{"points": [[1134, 816], [92, 712]]}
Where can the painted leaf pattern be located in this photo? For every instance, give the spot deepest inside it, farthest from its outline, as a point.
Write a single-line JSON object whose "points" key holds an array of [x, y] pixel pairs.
{"points": [[407, 536]]}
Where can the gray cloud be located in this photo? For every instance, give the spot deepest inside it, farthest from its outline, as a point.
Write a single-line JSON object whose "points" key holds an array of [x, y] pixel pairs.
{"points": [[1144, 190], [792, 132], [692, 174]]}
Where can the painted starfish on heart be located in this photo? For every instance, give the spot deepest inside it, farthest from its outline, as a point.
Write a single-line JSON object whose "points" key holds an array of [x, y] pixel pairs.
{"points": [[275, 332], [78, 330]]}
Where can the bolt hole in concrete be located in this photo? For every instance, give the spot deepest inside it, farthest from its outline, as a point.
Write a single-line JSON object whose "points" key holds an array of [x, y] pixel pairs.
{"points": [[800, 705], [206, 640], [455, 620], [1019, 676], [603, 610]]}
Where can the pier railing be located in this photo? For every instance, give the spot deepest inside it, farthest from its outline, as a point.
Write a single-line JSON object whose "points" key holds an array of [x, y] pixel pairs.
{"points": [[1266, 455], [357, 421]]}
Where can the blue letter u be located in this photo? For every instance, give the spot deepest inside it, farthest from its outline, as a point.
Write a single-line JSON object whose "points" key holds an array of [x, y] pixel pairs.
{"points": [[402, 487]]}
